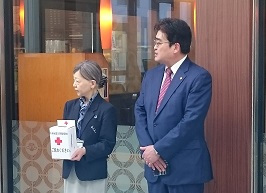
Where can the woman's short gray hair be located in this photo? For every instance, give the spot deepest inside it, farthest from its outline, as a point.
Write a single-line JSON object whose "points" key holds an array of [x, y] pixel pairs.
{"points": [[90, 70]]}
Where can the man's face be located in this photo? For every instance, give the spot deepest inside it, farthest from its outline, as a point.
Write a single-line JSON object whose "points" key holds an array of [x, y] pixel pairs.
{"points": [[162, 52]]}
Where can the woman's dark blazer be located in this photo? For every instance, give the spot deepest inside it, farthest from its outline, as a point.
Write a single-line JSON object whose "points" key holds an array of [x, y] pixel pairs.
{"points": [[98, 130]]}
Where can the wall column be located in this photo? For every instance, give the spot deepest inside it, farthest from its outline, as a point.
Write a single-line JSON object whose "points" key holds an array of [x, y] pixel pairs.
{"points": [[32, 26]]}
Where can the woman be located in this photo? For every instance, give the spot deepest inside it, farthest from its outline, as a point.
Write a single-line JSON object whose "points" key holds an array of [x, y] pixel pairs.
{"points": [[96, 130]]}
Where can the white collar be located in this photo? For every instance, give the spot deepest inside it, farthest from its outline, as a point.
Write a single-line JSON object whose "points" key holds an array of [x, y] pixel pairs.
{"points": [[176, 66]]}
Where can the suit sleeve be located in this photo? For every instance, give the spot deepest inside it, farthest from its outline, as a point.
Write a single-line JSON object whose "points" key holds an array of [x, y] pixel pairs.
{"points": [[65, 111], [141, 118], [192, 123]]}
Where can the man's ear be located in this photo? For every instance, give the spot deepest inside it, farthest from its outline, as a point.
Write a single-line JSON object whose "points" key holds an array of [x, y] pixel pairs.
{"points": [[177, 47]]}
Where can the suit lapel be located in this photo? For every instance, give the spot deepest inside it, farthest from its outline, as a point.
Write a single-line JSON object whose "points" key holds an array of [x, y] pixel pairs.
{"points": [[91, 112], [177, 80]]}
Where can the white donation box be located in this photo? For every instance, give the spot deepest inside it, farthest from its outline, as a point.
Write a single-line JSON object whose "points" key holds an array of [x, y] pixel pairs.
{"points": [[63, 139]]}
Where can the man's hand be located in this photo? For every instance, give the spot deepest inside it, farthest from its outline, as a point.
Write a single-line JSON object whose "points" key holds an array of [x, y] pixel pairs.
{"points": [[160, 165], [149, 154]]}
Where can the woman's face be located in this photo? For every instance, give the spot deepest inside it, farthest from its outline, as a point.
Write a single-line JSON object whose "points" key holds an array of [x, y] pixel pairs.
{"points": [[82, 86]]}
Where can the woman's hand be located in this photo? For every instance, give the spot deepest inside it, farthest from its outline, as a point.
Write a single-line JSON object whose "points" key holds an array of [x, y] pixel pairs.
{"points": [[77, 155]]}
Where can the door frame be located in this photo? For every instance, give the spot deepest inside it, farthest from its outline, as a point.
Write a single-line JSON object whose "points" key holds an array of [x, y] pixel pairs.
{"points": [[7, 95], [258, 126]]}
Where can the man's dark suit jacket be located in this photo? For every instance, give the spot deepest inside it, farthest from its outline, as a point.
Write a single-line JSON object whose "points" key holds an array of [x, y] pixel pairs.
{"points": [[177, 129], [98, 130]]}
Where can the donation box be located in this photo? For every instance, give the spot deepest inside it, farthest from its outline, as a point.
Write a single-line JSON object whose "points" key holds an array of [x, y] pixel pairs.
{"points": [[63, 139]]}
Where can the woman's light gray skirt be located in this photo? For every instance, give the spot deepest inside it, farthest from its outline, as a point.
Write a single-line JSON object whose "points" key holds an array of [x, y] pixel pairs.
{"points": [[73, 185]]}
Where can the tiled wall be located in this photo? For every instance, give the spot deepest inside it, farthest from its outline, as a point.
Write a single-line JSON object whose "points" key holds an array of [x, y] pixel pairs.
{"points": [[35, 171]]}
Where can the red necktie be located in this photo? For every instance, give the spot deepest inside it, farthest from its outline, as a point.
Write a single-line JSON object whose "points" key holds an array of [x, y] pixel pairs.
{"points": [[165, 86]]}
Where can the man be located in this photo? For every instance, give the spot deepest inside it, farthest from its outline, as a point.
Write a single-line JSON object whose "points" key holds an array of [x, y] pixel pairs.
{"points": [[170, 114]]}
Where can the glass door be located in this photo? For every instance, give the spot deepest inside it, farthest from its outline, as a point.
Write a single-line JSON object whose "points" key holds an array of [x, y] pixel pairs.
{"points": [[50, 37]]}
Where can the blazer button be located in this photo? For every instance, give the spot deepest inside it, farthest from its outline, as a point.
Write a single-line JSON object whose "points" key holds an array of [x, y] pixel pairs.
{"points": [[154, 125]]}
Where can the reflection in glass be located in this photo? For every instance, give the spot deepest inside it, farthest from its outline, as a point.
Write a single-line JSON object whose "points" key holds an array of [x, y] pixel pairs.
{"points": [[67, 32]]}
